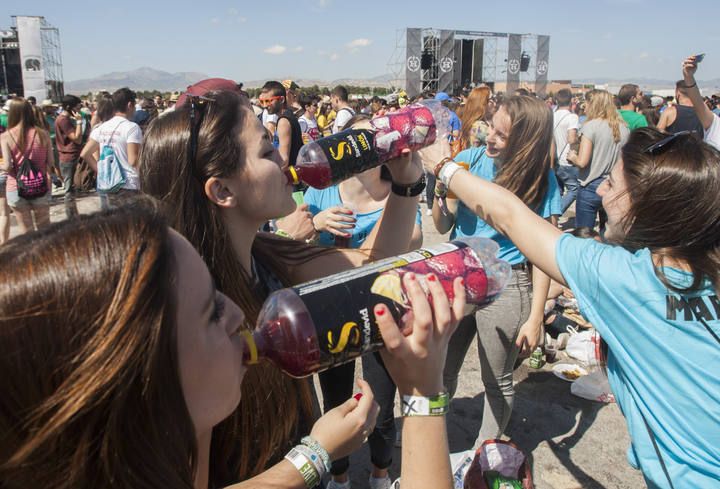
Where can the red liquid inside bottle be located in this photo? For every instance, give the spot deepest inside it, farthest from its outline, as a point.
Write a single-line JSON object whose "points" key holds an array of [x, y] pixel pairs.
{"points": [[332, 159], [327, 322]]}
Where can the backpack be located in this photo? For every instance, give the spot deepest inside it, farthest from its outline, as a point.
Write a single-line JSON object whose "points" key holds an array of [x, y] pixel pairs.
{"points": [[111, 176], [31, 180]]}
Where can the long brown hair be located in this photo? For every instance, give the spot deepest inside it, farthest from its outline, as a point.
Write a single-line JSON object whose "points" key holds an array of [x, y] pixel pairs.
{"points": [[662, 218], [21, 115], [525, 171], [91, 393], [271, 402], [601, 106], [473, 110]]}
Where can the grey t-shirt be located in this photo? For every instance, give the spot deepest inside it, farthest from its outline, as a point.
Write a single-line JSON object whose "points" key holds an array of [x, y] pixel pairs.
{"points": [[604, 150]]}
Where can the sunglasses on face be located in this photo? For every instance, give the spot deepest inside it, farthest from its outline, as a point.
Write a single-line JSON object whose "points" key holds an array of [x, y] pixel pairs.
{"points": [[665, 143], [269, 100]]}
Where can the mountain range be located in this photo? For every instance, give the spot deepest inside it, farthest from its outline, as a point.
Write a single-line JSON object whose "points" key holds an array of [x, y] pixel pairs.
{"points": [[146, 78]]}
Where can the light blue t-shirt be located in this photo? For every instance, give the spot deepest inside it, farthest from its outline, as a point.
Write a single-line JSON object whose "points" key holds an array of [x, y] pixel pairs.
{"points": [[319, 200], [663, 363], [467, 223]]}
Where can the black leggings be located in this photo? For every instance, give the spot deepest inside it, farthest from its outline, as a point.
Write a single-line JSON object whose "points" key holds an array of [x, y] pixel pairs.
{"points": [[337, 385]]}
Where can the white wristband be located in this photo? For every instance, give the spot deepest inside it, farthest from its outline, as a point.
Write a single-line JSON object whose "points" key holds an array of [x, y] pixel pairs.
{"points": [[447, 172], [305, 467], [425, 406], [313, 457]]}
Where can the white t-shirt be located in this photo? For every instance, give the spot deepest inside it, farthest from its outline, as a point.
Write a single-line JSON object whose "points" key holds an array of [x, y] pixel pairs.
{"points": [[268, 117], [712, 134], [122, 132], [341, 118], [563, 121]]}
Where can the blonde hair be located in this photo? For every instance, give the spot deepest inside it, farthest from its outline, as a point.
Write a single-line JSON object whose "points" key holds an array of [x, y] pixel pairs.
{"points": [[602, 106]]}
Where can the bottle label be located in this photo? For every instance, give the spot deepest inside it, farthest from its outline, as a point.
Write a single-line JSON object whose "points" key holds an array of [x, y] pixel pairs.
{"points": [[342, 308], [349, 152]]}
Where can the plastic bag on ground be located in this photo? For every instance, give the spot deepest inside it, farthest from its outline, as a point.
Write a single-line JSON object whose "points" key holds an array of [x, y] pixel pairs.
{"points": [[594, 386]]}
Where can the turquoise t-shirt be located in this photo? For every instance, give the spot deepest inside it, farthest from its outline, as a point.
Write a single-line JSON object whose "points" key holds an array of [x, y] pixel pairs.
{"points": [[319, 200], [663, 363], [467, 223]]}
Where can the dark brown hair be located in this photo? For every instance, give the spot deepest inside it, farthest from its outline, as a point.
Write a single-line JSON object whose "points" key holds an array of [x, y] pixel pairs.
{"points": [[271, 403], [674, 206], [91, 393], [525, 171], [21, 114]]}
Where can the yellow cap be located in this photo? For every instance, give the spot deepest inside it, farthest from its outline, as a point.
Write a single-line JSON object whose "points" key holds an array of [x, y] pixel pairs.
{"points": [[294, 175], [251, 346]]}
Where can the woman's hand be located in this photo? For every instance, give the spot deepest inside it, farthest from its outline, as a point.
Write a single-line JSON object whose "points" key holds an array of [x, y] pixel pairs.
{"points": [[343, 430], [572, 156], [416, 362], [299, 224], [434, 154], [405, 169], [530, 336], [335, 220]]}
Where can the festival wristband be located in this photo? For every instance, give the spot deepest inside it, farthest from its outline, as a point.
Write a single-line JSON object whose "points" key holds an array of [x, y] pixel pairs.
{"points": [[447, 172], [305, 467], [317, 448], [314, 458], [284, 234], [425, 406]]}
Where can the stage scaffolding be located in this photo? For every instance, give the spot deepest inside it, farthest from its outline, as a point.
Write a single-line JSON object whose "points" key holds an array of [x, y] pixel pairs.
{"points": [[512, 60]]}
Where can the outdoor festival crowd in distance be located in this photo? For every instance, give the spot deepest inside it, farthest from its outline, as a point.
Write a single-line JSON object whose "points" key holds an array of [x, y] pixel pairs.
{"points": [[126, 325]]}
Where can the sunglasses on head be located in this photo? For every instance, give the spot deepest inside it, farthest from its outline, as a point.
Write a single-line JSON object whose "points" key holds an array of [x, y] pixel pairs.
{"points": [[664, 143], [269, 100], [197, 113]]}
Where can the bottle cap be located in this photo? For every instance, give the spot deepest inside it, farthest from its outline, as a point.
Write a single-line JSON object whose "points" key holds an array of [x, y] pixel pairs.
{"points": [[292, 175], [251, 352]]}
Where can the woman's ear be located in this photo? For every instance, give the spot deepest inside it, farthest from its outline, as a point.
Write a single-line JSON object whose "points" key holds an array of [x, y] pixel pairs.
{"points": [[219, 193]]}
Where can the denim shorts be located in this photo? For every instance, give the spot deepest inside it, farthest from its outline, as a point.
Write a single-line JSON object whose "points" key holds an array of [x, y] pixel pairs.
{"points": [[3, 183], [14, 200]]}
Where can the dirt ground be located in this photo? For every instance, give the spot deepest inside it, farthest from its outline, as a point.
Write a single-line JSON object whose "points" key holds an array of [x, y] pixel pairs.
{"points": [[572, 443]]}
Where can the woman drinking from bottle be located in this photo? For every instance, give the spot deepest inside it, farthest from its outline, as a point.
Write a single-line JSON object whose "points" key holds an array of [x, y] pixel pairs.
{"points": [[344, 215], [517, 157], [126, 393], [651, 291], [212, 165]]}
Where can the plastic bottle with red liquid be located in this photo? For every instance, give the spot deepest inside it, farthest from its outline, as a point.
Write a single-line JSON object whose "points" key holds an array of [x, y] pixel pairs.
{"points": [[330, 321], [335, 158]]}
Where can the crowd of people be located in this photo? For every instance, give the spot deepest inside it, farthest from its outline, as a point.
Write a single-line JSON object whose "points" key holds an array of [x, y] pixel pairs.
{"points": [[122, 329]]}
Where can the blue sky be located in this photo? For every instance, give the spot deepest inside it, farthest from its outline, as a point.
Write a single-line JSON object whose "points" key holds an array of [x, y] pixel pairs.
{"points": [[330, 39]]}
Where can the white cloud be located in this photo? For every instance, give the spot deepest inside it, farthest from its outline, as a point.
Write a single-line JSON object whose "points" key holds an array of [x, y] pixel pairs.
{"points": [[324, 3], [241, 20], [599, 60], [276, 49], [298, 49], [644, 55], [233, 11], [359, 43], [215, 20], [334, 57]]}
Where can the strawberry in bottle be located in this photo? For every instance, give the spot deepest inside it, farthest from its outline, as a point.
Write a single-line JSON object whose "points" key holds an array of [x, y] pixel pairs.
{"points": [[329, 321], [334, 158]]}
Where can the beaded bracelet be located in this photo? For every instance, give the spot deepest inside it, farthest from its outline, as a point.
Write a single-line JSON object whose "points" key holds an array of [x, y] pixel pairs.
{"points": [[313, 445], [307, 469]]}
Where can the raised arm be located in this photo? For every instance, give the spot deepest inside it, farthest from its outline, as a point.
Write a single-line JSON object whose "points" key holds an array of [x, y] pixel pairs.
{"points": [[693, 92], [534, 237]]}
